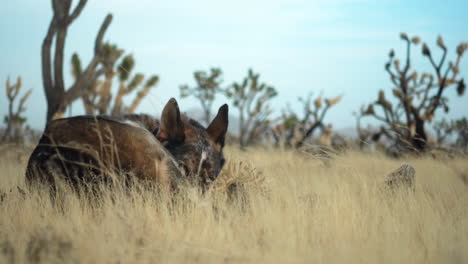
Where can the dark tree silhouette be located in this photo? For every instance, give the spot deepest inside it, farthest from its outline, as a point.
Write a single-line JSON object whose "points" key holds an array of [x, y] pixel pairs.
{"points": [[58, 98], [418, 95]]}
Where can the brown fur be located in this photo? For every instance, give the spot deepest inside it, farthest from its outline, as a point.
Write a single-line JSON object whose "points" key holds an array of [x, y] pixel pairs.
{"points": [[85, 148], [81, 148]]}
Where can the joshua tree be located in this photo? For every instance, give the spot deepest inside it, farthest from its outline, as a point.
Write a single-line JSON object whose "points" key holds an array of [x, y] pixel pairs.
{"points": [[98, 96], [418, 95], [251, 98], [208, 85], [294, 130], [14, 120], [58, 98]]}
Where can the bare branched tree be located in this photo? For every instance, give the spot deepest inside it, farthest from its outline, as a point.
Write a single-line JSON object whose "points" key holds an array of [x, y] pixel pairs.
{"points": [[58, 98], [14, 120], [252, 99], [418, 95], [208, 85], [98, 96], [293, 130]]}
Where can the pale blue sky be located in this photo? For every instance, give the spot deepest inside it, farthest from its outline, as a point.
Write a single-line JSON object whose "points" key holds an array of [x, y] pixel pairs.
{"points": [[330, 46]]}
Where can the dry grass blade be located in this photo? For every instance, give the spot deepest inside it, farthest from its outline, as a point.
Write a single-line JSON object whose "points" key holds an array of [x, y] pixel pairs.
{"points": [[313, 213]]}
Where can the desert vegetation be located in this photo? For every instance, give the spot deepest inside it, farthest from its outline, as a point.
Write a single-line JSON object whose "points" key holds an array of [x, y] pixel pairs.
{"points": [[98, 96], [281, 187], [287, 207], [419, 95]]}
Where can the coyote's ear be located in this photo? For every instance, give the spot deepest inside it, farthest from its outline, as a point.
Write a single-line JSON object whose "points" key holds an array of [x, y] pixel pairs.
{"points": [[171, 128], [218, 127]]}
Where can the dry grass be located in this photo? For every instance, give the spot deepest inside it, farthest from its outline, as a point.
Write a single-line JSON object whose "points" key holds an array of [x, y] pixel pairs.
{"points": [[293, 208]]}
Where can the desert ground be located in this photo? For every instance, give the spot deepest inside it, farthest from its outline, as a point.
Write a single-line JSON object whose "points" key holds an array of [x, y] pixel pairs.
{"points": [[291, 208]]}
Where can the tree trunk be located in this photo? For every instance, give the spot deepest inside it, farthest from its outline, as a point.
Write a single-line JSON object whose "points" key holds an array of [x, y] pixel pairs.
{"points": [[419, 140]]}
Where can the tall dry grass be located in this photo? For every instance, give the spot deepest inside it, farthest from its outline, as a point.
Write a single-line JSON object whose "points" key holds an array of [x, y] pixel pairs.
{"points": [[293, 208]]}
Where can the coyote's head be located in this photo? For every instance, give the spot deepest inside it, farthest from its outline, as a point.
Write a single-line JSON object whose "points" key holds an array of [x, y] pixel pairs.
{"points": [[198, 150]]}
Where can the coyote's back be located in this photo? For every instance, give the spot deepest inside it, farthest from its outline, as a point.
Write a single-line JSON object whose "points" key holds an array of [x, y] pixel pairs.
{"points": [[91, 149]]}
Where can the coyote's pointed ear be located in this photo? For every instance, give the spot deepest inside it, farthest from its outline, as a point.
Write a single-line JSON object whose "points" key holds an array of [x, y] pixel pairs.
{"points": [[172, 128], [218, 127]]}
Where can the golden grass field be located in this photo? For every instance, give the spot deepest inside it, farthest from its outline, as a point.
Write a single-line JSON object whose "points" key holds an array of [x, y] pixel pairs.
{"points": [[295, 209]]}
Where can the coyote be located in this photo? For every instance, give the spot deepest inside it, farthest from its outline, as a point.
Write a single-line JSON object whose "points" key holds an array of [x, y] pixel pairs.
{"points": [[87, 149]]}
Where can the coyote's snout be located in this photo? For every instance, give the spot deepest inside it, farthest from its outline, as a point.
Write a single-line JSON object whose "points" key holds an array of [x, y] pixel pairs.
{"points": [[84, 149]]}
